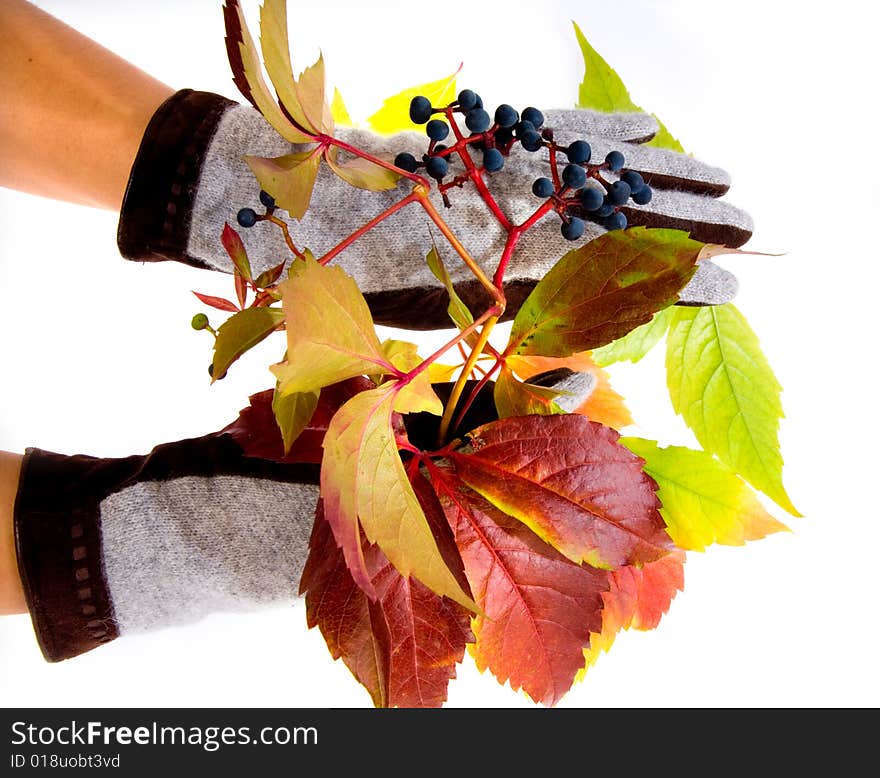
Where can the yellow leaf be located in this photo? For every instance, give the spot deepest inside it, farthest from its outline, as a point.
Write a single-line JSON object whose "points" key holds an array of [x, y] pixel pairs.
{"points": [[393, 116], [289, 179], [417, 395], [339, 112], [364, 174], [330, 333], [440, 374]]}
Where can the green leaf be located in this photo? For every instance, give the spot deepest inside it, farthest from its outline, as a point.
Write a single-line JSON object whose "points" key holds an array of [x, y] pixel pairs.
{"points": [[290, 179], [603, 90], [364, 174], [636, 344], [292, 413], [603, 290], [516, 398], [364, 485], [458, 311], [393, 116], [703, 500], [242, 332], [330, 333], [721, 384], [249, 74]]}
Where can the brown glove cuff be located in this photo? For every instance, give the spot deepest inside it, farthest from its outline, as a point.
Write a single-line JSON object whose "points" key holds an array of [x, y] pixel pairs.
{"points": [[58, 546], [157, 208]]}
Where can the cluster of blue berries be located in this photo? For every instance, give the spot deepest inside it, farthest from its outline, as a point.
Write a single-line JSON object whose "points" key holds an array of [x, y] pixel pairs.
{"points": [[579, 193]]}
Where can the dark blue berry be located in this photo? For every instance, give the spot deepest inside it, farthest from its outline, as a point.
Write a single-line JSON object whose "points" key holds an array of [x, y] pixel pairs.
{"points": [[477, 120], [479, 103], [437, 129], [420, 109], [504, 136], [267, 199], [506, 115], [619, 193], [522, 127], [531, 141], [247, 217], [534, 116], [467, 100], [437, 167], [606, 209], [406, 161], [579, 152], [634, 180], [616, 221], [573, 228], [493, 160], [211, 372], [643, 196], [574, 176], [591, 199], [543, 187], [440, 147], [615, 161]]}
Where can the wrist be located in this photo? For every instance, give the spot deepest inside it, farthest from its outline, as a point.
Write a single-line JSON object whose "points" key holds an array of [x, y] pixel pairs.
{"points": [[12, 598]]}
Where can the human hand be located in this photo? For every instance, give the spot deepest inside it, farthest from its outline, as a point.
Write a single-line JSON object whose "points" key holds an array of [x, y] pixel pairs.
{"points": [[213, 135]]}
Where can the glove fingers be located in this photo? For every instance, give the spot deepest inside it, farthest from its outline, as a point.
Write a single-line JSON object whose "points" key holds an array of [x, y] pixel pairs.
{"points": [[635, 127], [710, 285]]}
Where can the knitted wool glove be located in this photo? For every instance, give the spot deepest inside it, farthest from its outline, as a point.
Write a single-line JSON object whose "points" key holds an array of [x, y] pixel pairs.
{"points": [[110, 547], [189, 179]]}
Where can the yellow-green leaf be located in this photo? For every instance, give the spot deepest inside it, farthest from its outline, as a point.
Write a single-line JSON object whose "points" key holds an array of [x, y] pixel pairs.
{"points": [[338, 110], [458, 311], [310, 88], [636, 344], [721, 384], [241, 332], [289, 179], [276, 56], [704, 501], [393, 116], [416, 395], [603, 90], [292, 413], [516, 398], [262, 97], [364, 174], [364, 484], [330, 333]]}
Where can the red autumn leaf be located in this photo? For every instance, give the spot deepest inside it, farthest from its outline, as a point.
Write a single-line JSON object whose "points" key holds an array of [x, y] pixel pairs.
{"points": [[404, 646], [539, 607], [234, 246], [257, 432], [217, 302], [240, 290], [270, 276], [571, 482]]}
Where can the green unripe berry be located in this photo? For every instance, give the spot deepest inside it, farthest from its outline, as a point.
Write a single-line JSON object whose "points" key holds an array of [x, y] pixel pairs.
{"points": [[199, 321]]}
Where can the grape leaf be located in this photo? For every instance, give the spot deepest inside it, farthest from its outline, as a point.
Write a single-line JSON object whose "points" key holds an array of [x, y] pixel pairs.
{"points": [[364, 485], [257, 429], [330, 332], [721, 384], [603, 90], [570, 481], [404, 646], [598, 292], [340, 113], [703, 500], [393, 116], [290, 179], [539, 607], [518, 398], [364, 174], [248, 74], [459, 313], [231, 241], [293, 412], [635, 344], [242, 332], [638, 598]]}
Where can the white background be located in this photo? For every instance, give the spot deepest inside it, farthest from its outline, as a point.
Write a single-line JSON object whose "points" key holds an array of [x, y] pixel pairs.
{"points": [[98, 357]]}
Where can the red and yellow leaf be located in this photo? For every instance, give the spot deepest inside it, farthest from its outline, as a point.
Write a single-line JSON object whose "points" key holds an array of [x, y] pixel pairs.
{"points": [[637, 599], [232, 242], [539, 607]]}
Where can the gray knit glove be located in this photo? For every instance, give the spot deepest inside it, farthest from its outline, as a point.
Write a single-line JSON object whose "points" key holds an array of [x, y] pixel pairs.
{"points": [[388, 262], [220, 523]]}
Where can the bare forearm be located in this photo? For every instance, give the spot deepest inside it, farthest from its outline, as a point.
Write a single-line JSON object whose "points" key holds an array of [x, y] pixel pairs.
{"points": [[11, 594], [72, 113]]}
